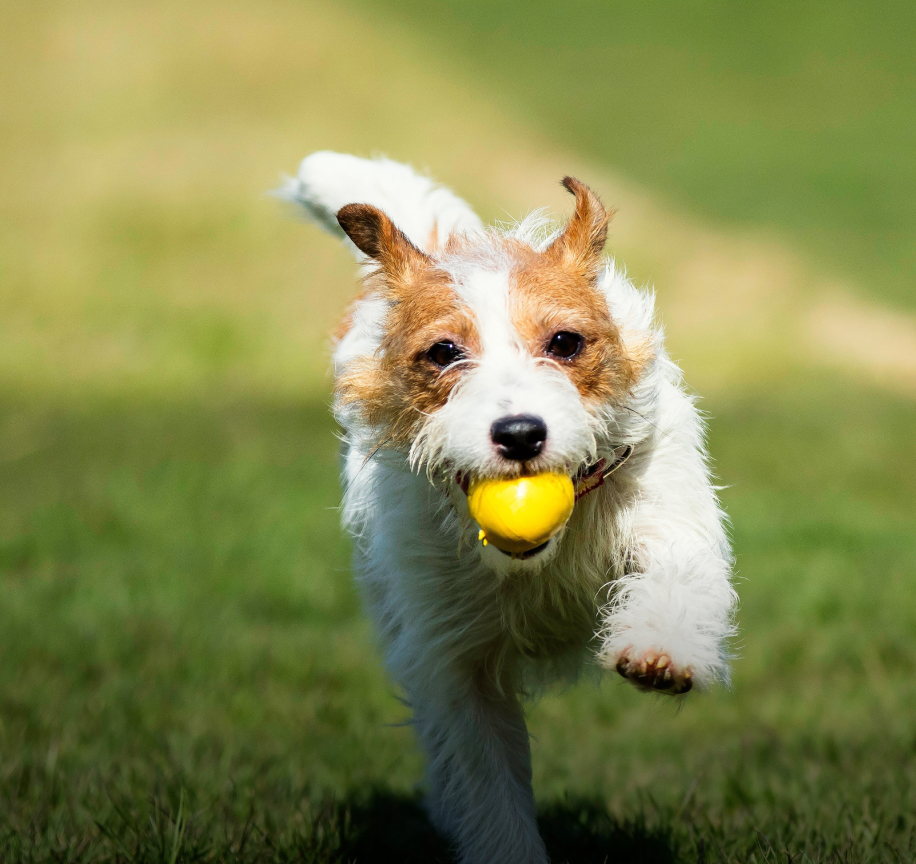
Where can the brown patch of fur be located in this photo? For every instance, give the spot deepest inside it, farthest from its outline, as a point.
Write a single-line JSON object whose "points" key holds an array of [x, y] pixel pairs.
{"points": [[556, 291], [378, 237], [578, 249], [547, 299], [398, 387], [375, 235]]}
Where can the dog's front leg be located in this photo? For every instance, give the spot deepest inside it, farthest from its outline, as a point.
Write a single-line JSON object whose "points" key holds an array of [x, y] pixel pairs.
{"points": [[479, 770], [670, 615], [667, 624]]}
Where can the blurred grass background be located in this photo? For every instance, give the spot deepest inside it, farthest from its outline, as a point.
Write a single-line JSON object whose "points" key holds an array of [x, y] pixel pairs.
{"points": [[185, 673]]}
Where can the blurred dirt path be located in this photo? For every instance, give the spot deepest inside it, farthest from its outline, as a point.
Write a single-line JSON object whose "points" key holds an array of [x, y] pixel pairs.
{"points": [[865, 339]]}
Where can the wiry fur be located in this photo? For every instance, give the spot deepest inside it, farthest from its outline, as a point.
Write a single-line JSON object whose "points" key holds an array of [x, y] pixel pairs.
{"points": [[638, 579]]}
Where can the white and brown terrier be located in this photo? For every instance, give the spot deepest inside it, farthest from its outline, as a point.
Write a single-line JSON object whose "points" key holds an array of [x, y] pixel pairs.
{"points": [[493, 352]]}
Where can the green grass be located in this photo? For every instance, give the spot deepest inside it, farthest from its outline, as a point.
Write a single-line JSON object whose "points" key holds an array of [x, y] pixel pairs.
{"points": [[180, 645], [793, 116], [185, 672]]}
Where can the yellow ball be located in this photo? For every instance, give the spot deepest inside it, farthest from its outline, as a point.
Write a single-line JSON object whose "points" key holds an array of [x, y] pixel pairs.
{"points": [[519, 514]]}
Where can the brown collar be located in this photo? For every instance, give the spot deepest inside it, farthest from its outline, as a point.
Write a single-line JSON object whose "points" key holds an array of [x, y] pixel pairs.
{"points": [[601, 470]]}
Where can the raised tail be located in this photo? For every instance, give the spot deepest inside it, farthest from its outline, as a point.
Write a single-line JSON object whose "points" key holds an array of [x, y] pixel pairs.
{"points": [[425, 212]]}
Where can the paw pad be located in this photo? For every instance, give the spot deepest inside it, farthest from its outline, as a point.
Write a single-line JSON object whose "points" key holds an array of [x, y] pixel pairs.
{"points": [[654, 672]]}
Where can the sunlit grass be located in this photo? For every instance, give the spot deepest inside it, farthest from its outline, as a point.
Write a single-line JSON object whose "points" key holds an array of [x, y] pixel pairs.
{"points": [[184, 667]]}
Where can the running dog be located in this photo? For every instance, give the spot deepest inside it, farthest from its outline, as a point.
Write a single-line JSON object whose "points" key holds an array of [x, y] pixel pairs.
{"points": [[476, 354]]}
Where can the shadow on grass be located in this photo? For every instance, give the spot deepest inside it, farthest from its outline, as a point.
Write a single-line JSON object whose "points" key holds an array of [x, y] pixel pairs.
{"points": [[390, 828]]}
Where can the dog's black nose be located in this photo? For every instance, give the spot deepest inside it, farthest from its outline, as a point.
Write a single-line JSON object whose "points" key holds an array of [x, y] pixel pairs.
{"points": [[520, 437]]}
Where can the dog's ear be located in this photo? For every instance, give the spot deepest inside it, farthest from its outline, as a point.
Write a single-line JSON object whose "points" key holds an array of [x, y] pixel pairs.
{"points": [[580, 245], [378, 237]]}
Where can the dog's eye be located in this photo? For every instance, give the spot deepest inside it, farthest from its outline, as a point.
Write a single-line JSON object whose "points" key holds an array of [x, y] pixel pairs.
{"points": [[565, 345], [445, 353]]}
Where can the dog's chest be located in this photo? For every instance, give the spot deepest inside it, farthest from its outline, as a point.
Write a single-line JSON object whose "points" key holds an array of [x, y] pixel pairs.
{"points": [[548, 612]]}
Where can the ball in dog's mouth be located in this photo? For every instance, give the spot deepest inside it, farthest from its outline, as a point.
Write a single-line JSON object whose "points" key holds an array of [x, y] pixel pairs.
{"points": [[520, 515]]}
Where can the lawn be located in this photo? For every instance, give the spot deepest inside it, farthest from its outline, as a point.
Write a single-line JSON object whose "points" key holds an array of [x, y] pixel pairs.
{"points": [[180, 638], [185, 670]]}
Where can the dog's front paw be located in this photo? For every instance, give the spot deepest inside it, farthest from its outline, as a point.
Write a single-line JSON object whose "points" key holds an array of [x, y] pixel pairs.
{"points": [[654, 671]]}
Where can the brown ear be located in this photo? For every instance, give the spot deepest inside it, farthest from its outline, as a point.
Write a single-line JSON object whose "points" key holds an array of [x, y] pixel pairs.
{"points": [[378, 237], [580, 245]]}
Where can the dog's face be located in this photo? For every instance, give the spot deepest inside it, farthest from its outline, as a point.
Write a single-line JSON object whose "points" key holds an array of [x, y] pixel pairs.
{"points": [[489, 358]]}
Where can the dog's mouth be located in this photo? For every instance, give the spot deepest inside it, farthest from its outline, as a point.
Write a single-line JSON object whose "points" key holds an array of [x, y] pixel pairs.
{"points": [[588, 477], [519, 517], [524, 528], [524, 556]]}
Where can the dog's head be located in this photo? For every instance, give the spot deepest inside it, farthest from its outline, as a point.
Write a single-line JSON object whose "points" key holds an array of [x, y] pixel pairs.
{"points": [[488, 355]]}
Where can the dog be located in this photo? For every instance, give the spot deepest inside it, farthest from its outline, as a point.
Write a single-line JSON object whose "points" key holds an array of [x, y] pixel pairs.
{"points": [[478, 353]]}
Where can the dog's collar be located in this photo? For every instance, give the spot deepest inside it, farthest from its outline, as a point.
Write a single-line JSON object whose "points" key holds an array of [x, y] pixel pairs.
{"points": [[589, 479]]}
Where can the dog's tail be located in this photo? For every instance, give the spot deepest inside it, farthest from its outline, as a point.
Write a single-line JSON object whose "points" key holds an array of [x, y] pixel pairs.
{"points": [[425, 212]]}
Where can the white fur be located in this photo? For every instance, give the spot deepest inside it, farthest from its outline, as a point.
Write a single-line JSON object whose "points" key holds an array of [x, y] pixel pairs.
{"points": [[642, 568], [327, 181]]}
